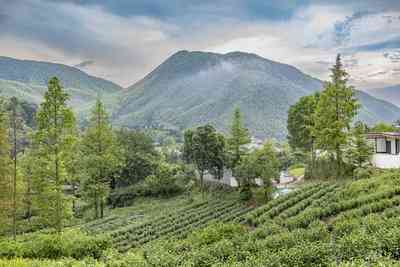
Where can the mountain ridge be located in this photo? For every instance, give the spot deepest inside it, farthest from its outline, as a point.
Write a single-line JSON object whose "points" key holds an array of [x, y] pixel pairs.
{"points": [[193, 88], [189, 88], [390, 94]]}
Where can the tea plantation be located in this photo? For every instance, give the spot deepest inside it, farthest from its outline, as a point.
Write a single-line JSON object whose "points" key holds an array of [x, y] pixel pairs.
{"points": [[341, 223]]}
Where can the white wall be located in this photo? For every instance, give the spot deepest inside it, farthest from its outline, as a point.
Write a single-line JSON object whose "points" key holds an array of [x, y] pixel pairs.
{"points": [[386, 161]]}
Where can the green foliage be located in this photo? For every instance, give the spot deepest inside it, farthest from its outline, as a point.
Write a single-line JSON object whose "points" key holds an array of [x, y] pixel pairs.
{"points": [[239, 136], [140, 157], [383, 127], [5, 172], [262, 163], [101, 159], [163, 182], [335, 111], [358, 151], [300, 123], [69, 244], [53, 139], [205, 148]]}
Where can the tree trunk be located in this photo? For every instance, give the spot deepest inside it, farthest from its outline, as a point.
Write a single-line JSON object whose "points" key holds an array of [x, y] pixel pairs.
{"points": [[14, 196], [202, 183], [29, 200], [101, 208], [312, 160], [57, 173], [339, 162], [96, 205]]}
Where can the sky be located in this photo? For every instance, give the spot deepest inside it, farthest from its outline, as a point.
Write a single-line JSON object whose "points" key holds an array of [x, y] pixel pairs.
{"points": [[124, 40]]}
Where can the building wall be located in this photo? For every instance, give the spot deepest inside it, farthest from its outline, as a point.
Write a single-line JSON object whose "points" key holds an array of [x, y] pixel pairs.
{"points": [[386, 161]]}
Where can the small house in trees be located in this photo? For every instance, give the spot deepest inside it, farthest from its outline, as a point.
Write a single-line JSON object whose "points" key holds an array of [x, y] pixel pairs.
{"points": [[386, 149]]}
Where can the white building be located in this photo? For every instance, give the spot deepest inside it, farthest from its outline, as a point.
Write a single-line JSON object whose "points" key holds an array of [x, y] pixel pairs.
{"points": [[386, 148]]}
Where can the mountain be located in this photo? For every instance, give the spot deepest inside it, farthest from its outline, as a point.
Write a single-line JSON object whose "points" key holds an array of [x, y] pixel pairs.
{"points": [[193, 88], [28, 79], [390, 94]]}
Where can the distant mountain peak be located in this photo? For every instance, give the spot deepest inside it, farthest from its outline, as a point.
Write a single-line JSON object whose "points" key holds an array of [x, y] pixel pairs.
{"points": [[84, 64]]}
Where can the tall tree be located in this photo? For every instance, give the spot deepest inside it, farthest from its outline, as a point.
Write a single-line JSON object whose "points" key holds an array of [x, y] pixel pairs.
{"points": [[239, 136], [300, 125], [28, 167], [53, 139], [335, 111], [14, 126], [205, 148], [101, 157], [5, 172]]}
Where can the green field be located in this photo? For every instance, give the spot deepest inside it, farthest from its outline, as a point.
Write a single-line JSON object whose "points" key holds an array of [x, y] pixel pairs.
{"points": [[346, 223]]}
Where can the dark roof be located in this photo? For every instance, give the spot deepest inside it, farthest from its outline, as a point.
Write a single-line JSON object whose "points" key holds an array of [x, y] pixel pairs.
{"points": [[383, 134]]}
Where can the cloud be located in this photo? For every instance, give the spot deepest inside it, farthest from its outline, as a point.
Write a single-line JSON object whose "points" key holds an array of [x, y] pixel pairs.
{"points": [[127, 39]]}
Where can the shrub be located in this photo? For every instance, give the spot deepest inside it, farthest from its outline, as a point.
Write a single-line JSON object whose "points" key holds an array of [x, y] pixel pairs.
{"points": [[73, 243], [245, 193]]}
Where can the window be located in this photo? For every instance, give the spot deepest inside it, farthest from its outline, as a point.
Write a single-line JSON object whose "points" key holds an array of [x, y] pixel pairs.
{"points": [[389, 147], [380, 145]]}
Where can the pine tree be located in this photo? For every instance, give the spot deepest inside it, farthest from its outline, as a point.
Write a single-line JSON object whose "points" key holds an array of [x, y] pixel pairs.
{"points": [[358, 151], [53, 139], [101, 158], [335, 111], [14, 127], [5, 172], [239, 136]]}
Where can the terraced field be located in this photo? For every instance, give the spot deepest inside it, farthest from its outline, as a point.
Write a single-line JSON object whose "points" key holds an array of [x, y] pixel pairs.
{"points": [[336, 223], [348, 223], [133, 230]]}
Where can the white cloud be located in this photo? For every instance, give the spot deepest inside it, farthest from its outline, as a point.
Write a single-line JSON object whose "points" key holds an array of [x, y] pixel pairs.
{"points": [[124, 49]]}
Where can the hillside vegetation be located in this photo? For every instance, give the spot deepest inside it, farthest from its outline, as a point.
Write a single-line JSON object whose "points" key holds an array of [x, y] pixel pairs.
{"points": [[187, 90], [27, 80], [195, 88]]}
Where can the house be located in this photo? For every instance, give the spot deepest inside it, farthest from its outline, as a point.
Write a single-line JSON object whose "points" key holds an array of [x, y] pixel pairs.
{"points": [[386, 149]]}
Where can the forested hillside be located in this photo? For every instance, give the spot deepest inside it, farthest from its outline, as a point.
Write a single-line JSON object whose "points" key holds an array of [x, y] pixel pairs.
{"points": [[187, 90], [193, 88], [28, 80]]}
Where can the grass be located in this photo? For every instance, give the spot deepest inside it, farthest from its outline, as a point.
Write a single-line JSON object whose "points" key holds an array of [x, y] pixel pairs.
{"points": [[296, 172]]}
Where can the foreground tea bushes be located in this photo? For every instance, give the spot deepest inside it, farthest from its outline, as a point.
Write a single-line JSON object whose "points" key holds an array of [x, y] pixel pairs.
{"points": [[128, 233], [70, 244], [19, 262], [347, 223]]}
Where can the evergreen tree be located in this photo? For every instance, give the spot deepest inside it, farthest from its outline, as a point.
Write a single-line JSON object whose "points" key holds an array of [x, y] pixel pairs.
{"points": [[335, 111], [15, 124], [239, 136], [101, 158], [358, 151], [53, 139], [5, 172], [28, 168]]}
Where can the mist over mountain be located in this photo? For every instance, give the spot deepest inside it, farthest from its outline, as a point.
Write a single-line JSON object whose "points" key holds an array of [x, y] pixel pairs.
{"points": [[186, 90], [193, 88]]}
